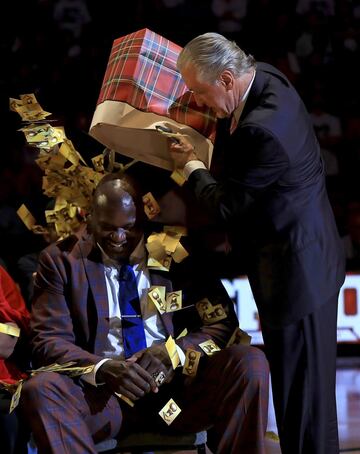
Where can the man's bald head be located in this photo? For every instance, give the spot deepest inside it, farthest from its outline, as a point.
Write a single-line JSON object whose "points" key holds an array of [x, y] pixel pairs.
{"points": [[116, 217], [115, 191]]}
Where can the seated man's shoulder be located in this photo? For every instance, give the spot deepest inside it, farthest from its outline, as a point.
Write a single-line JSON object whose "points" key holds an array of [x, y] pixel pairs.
{"points": [[69, 246]]}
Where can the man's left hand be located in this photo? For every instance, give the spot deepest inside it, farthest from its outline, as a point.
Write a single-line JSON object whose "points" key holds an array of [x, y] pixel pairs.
{"points": [[155, 360]]}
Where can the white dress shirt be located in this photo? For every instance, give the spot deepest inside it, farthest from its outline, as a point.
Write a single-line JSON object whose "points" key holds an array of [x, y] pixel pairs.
{"points": [[153, 326]]}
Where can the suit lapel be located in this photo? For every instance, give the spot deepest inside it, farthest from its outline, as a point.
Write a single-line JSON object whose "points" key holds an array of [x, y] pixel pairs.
{"points": [[95, 274], [156, 278]]}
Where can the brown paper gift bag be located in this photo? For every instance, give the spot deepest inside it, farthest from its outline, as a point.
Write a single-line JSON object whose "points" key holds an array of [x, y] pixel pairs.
{"points": [[141, 89]]}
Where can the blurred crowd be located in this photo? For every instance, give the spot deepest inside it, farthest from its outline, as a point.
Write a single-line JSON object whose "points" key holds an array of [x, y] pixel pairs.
{"points": [[59, 51]]}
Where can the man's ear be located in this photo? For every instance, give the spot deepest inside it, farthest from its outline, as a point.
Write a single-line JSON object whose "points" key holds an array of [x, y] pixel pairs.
{"points": [[227, 79]]}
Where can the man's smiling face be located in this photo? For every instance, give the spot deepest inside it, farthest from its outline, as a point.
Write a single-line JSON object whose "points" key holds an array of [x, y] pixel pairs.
{"points": [[113, 224]]}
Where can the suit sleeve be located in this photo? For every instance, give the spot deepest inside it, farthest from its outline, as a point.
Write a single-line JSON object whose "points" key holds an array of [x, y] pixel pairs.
{"points": [[251, 169], [52, 323]]}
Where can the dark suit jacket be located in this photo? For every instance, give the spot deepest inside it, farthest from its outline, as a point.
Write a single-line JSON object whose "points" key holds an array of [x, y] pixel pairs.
{"points": [[271, 194], [70, 315]]}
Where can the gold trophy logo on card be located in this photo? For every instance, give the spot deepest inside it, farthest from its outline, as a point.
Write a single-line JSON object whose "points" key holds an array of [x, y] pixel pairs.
{"points": [[215, 315], [156, 294], [192, 359], [208, 313], [151, 207], [174, 301], [203, 306], [209, 347], [170, 411]]}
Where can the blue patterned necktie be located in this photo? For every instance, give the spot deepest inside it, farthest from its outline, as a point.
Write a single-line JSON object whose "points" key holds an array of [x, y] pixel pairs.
{"points": [[131, 321]]}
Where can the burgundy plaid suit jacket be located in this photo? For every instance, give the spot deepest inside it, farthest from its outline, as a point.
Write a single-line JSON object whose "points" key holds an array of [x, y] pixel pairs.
{"points": [[70, 318]]}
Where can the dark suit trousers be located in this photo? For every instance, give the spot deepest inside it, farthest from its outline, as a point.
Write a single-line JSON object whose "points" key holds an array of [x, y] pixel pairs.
{"points": [[302, 359], [229, 394], [14, 434]]}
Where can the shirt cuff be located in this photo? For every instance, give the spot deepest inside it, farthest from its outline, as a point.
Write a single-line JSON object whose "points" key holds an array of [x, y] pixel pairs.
{"points": [[91, 376], [191, 166], [181, 355]]}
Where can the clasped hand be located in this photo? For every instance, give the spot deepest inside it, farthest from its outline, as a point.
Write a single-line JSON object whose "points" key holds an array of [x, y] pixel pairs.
{"points": [[135, 377]]}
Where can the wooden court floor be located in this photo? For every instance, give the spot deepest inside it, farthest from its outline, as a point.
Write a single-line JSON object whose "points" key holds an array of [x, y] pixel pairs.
{"points": [[348, 406]]}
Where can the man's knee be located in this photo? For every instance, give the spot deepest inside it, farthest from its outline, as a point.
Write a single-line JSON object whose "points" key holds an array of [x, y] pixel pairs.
{"points": [[41, 387], [250, 363]]}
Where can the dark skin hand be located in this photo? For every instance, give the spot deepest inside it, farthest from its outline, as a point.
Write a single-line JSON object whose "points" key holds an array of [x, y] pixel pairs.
{"points": [[127, 378], [155, 359], [133, 377]]}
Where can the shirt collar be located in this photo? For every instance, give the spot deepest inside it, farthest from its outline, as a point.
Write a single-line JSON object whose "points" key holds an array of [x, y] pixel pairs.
{"points": [[238, 111]]}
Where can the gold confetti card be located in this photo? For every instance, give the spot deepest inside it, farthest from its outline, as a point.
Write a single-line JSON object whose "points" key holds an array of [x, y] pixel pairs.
{"points": [[215, 315], [98, 163], [156, 294], [16, 397], [179, 177], [204, 307], [177, 229], [10, 330], [125, 399], [192, 359], [183, 333], [27, 218], [174, 301], [239, 337], [156, 265], [180, 253], [170, 411], [172, 352], [209, 347], [151, 207]]}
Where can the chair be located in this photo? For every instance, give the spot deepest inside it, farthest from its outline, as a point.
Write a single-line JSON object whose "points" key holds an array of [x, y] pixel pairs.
{"points": [[142, 442]]}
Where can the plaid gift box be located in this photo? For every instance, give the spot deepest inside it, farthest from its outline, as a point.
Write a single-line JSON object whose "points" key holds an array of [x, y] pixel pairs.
{"points": [[141, 89]]}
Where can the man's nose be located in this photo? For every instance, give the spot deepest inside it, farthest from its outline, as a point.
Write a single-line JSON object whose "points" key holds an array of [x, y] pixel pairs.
{"points": [[118, 236]]}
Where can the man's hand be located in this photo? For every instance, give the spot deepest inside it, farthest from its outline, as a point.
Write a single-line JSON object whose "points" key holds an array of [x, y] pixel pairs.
{"points": [[154, 360], [7, 343], [126, 377], [182, 152]]}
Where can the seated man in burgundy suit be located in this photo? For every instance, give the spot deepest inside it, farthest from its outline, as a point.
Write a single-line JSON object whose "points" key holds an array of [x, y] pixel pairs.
{"points": [[78, 316]]}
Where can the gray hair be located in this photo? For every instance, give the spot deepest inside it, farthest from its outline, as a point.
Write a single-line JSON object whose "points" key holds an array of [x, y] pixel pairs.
{"points": [[211, 54]]}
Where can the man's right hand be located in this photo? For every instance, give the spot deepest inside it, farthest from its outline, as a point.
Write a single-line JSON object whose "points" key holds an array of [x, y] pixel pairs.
{"points": [[127, 378], [182, 152]]}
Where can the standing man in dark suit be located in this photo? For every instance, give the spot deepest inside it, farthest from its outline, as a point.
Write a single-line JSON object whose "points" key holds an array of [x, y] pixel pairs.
{"points": [[77, 316], [270, 194]]}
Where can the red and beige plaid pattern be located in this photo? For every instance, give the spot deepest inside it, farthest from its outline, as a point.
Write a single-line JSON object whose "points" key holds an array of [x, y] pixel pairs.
{"points": [[142, 72]]}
